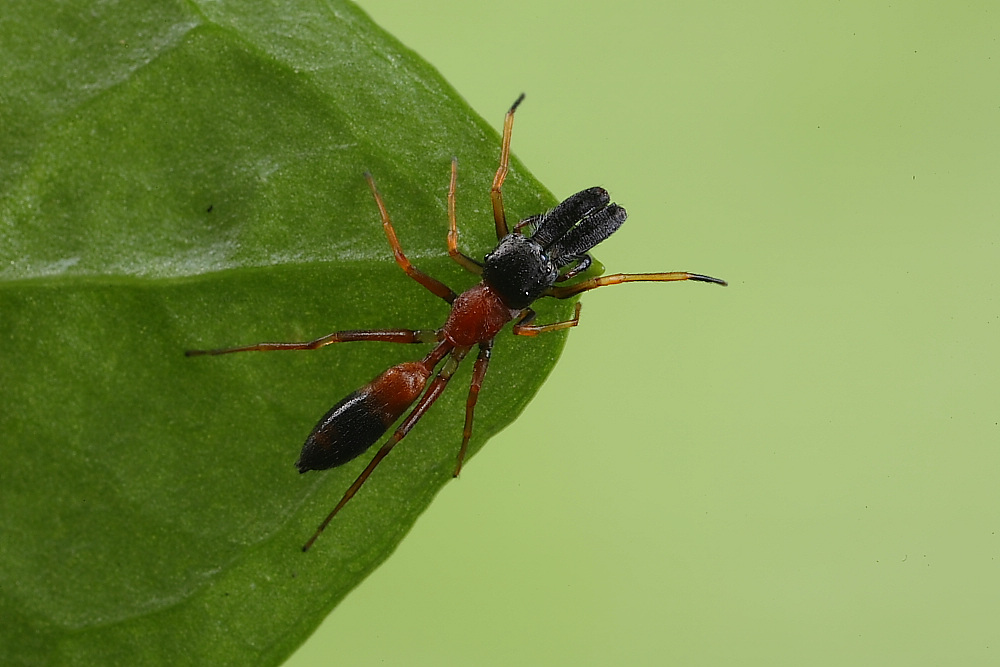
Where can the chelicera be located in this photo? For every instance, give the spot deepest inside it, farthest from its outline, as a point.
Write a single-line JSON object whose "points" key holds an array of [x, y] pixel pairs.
{"points": [[534, 260]]}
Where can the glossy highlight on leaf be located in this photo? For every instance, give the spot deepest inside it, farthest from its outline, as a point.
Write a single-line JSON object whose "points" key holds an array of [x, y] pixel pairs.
{"points": [[189, 175]]}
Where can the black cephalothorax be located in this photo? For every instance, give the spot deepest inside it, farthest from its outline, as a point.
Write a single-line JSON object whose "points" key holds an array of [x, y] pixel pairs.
{"points": [[521, 268]]}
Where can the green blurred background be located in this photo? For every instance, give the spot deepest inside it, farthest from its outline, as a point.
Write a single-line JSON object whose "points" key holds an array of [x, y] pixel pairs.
{"points": [[800, 469]]}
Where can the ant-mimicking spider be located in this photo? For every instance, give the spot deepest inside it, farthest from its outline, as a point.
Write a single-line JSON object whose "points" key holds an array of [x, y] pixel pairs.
{"points": [[521, 268]]}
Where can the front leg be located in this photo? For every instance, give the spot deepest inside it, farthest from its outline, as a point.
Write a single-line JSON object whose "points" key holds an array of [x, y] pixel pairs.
{"points": [[496, 191], [564, 292]]}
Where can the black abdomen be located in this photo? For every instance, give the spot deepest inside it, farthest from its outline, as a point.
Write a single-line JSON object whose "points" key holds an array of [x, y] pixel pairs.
{"points": [[347, 430]]}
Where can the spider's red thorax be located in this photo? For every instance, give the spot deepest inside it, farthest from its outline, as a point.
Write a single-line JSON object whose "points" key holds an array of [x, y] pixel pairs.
{"points": [[477, 316]]}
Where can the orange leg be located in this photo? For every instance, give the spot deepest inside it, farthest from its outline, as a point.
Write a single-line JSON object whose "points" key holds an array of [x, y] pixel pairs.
{"points": [[464, 260], [524, 327], [567, 291], [496, 195], [478, 373], [437, 287], [379, 335]]}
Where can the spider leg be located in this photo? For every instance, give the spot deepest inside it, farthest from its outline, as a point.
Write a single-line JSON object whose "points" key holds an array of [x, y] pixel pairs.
{"points": [[379, 335], [566, 291], [434, 285], [464, 260], [524, 327], [478, 373], [496, 195]]}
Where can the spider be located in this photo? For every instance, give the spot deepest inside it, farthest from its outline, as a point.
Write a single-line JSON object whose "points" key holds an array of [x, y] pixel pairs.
{"points": [[533, 261]]}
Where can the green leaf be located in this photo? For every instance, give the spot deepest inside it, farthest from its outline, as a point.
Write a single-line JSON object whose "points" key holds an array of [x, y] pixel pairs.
{"points": [[181, 175]]}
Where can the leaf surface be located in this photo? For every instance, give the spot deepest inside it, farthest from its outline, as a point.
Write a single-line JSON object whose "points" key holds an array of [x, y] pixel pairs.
{"points": [[179, 175]]}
